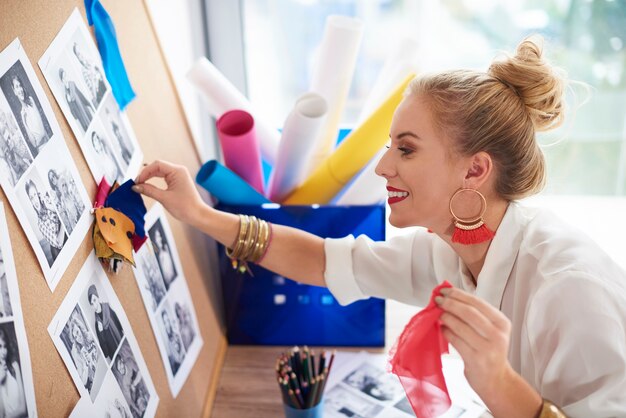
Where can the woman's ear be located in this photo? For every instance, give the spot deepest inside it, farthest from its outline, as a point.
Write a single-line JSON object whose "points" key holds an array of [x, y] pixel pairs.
{"points": [[479, 170]]}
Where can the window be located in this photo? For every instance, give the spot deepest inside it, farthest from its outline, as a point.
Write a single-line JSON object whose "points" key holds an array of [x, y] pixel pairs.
{"points": [[585, 37]]}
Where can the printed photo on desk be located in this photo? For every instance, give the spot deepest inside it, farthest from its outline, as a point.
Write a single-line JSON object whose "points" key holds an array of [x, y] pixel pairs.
{"points": [[93, 336], [17, 392], [74, 72], [167, 300], [37, 172], [360, 385]]}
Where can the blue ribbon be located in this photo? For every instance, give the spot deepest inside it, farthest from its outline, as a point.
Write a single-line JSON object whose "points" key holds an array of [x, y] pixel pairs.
{"points": [[227, 187], [110, 52]]}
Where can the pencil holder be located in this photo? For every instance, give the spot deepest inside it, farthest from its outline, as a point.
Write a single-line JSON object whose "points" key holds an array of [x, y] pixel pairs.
{"points": [[315, 412], [268, 309]]}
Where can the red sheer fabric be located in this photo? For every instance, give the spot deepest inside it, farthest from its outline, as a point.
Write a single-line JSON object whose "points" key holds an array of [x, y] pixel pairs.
{"points": [[416, 360]]}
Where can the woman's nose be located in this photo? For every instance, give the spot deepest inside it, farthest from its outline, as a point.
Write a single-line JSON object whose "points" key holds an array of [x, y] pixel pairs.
{"points": [[384, 166]]}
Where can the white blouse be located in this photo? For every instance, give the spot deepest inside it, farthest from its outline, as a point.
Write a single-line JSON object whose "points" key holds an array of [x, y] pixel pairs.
{"points": [[565, 298]]}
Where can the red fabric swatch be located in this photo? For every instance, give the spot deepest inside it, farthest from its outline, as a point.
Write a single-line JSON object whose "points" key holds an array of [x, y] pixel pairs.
{"points": [[416, 360]]}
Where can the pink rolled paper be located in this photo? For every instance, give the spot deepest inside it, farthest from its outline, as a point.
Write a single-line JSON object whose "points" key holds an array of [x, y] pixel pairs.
{"points": [[240, 146], [221, 96]]}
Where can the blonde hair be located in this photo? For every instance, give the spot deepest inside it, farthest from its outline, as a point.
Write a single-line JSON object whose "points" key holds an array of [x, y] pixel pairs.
{"points": [[499, 112]]}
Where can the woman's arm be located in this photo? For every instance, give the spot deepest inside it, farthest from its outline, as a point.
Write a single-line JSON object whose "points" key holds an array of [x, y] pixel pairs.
{"points": [[481, 333], [292, 253]]}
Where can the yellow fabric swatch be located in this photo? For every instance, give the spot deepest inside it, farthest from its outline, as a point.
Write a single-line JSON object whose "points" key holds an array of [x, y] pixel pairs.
{"points": [[117, 230]]}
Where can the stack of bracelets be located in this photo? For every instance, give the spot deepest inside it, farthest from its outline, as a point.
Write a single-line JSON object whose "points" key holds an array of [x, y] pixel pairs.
{"points": [[251, 244]]}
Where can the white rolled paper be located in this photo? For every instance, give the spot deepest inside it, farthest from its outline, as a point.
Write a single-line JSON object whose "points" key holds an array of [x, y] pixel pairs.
{"points": [[299, 131], [400, 62], [332, 76], [221, 96], [367, 188]]}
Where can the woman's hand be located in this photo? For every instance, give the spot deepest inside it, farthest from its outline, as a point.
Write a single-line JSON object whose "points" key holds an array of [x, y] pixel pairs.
{"points": [[481, 334], [181, 198]]}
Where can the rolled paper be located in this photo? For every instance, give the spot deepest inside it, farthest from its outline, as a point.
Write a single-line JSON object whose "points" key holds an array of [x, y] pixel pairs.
{"points": [[400, 62], [221, 96], [227, 187], [110, 52], [332, 76], [240, 146], [368, 188], [300, 129], [350, 156]]}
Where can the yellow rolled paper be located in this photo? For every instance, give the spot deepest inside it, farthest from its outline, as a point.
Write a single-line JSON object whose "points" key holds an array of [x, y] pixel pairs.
{"points": [[350, 156]]}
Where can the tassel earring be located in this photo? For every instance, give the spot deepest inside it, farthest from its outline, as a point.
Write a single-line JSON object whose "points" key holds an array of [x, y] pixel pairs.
{"points": [[470, 230]]}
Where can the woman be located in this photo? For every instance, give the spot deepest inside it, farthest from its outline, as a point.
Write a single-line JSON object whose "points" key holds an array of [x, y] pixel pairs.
{"points": [[67, 206], [12, 150], [185, 325], [164, 256], [92, 75], [32, 120], [48, 221], [108, 162], [538, 311], [83, 352], [12, 398]]}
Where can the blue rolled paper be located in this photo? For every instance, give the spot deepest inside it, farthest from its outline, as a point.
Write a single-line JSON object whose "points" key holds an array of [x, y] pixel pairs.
{"points": [[110, 52], [227, 187]]}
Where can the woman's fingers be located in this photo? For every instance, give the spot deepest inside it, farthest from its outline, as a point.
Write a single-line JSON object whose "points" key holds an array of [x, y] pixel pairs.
{"points": [[468, 314], [156, 168], [492, 314], [149, 190]]}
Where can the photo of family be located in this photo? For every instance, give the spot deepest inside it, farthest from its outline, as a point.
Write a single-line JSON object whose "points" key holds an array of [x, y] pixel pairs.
{"points": [[167, 301], [72, 68], [37, 172], [99, 348]]}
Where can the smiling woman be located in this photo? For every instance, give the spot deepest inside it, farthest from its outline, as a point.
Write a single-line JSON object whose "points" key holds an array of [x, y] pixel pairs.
{"points": [[529, 290]]}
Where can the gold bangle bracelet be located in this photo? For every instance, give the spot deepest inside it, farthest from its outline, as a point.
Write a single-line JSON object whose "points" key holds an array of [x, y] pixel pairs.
{"points": [[250, 239], [261, 241], [550, 410], [244, 221]]}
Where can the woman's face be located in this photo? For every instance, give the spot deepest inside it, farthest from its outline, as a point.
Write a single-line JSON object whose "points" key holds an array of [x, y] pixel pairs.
{"points": [[33, 196], [78, 335], [97, 143], [421, 169], [95, 303], [158, 239], [18, 89]]}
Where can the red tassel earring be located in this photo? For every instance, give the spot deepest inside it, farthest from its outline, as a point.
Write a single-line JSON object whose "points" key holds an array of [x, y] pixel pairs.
{"points": [[472, 230]]}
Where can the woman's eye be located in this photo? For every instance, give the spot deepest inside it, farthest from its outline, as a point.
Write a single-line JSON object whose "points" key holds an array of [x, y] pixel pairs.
{"points": [[405, 151]]}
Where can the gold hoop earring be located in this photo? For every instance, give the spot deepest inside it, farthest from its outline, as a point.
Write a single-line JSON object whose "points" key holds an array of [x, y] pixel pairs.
{"points": [[470, 231]]}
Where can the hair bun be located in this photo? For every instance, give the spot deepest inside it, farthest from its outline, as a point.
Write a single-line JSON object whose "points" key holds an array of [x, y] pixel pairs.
{"points": [[539, 84]]}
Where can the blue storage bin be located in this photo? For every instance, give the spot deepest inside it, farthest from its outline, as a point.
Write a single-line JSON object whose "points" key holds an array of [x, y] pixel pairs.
{"points": [[268, 309]]}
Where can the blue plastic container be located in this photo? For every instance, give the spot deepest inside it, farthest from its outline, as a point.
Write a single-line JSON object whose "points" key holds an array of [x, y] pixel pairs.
{"points": [[268, 309]]}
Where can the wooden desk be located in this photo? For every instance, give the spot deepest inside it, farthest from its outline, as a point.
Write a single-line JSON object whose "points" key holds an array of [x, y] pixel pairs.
{"points": [[247, 387]]}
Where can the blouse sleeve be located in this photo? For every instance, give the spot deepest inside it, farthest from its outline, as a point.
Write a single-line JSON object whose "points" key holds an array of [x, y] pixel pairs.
{"points": [[578, 343], [400, 269]]}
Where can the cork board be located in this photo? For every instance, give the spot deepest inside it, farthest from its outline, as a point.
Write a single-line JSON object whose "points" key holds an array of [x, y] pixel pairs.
{"points": [[159, 123]]}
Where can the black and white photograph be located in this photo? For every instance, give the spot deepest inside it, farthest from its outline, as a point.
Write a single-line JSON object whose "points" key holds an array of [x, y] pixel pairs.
{"points": [[26, 107], [15, 157], [72, 67], [125, 376], [102, 319], [55, 221], [170, 333], [17, 391], [42, 213], [339, 402], [129, 377], [163, 253], [169, 306], [87, 60], [6, 310], [112, 120], [374, 382], [12, 393], [105, 162], [86, 357], [110, 404], [63, 187], [150, 281]]}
